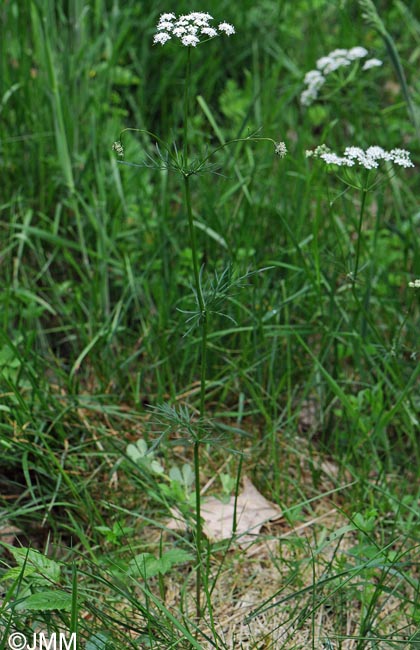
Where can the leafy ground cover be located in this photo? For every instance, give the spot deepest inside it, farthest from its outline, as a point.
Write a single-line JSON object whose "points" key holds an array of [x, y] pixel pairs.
{"points": [[202, 309]]}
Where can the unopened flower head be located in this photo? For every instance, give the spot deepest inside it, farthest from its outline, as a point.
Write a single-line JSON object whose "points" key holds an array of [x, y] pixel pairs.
{"points": [[368, 159], [315, 79], [280, 149], [190, 28], [315, 153], [118, 148]]}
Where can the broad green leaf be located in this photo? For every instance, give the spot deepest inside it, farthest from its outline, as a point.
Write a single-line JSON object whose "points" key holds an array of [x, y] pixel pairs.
{"points": [[37, 565], [46, 600]]}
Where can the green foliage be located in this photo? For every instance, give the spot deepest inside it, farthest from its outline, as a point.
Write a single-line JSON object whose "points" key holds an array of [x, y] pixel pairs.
{"points": [[47, 600], [146, 565], [33, 565], [139, 454], [98, 321]]}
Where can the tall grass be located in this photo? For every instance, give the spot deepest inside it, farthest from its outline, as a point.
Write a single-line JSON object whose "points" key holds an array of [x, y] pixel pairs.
{"points": [[315, 370]]}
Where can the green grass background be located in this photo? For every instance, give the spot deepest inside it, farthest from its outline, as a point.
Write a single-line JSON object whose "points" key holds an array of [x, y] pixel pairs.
{"points": [[95, 260]]}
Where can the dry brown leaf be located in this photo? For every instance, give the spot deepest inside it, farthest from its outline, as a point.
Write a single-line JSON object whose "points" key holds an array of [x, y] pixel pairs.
{"points": [[252, 512], [8, 533]]}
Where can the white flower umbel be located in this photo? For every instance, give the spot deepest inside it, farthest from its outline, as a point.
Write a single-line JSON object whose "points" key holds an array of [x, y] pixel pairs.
{"points": [[190, 28], [339, 58], [368, 159], [415, 284]]}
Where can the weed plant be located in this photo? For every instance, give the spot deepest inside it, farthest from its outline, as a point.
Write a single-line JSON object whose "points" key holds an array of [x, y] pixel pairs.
{"points": [[145, 361]]}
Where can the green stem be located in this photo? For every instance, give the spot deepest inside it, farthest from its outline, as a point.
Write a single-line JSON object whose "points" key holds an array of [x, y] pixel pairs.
{"points": [[186, 108], [359, 228], [357, 342], [198, 528], [368, 293], [193, 241], [203, 352], [203, 362], [203, 324]]}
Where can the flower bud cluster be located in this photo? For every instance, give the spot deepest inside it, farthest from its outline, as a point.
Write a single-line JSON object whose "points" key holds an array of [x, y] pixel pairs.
{"points": [[315, 79], [280, 149], [118, 148], [189, 28]]}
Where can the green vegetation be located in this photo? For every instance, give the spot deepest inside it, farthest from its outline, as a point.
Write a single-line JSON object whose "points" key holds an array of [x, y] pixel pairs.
{"points": [[199, 311]]}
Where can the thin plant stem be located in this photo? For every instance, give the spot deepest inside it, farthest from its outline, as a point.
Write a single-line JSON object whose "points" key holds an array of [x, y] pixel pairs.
{"points": [[198, 528], [359, 228], [203, 359], [203, 326], [186, 107], [368, 293], [364, 190]]}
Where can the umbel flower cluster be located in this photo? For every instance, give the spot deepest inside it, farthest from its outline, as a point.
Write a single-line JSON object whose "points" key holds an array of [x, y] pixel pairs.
{"points": [[368, 159], [315, 79], [190, 28]]}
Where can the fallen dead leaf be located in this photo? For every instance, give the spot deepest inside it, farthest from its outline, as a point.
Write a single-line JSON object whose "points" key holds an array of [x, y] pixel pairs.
{"points": [[8, 533], [252, 512]]}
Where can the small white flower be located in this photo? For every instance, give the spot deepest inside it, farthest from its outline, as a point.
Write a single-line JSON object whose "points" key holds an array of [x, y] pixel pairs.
{"points": [[323, 62], [308, 97], [401, 157], [190, 40], [167, 17], [378, 153], [227, 28], [357, 53], [161, 37], [201, 15], [372, 63], [164, 26], [333, 159], [335, 64], [209, 31], [314, 80], [363, 158], [339, 53], [415, 284], [313, 77], [200, 19]]}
